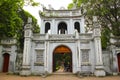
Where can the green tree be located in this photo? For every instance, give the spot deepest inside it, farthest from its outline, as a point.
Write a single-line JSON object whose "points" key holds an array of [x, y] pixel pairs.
{"points": [[108, 13], [10, 22], [24, 16], [31, 2], [70, 6], [13, 19], [76, 3]]}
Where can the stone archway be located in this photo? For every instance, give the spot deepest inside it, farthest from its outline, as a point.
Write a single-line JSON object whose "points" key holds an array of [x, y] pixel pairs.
{"points": [[6, 57], [62, 59], [118, 57]]}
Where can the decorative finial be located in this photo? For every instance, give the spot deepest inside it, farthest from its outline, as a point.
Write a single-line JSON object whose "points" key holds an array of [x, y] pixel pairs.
{"points": [[50, 7], [29, 20]]}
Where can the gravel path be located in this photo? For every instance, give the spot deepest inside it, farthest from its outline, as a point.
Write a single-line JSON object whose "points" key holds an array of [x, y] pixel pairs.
{"points": [[4, 76]]}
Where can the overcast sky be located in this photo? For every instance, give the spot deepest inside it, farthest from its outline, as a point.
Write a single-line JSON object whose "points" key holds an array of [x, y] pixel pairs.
{"points": [[56, 4]]}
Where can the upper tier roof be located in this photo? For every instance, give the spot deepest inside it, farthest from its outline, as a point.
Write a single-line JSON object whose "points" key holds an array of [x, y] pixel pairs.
{"points": [[50, 13]]}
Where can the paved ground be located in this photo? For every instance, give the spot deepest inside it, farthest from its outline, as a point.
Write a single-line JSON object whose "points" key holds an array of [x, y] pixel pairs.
{"points": [[4, 76]]}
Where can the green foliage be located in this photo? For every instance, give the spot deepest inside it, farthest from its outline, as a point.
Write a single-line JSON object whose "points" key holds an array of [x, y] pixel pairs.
{"points": [[108, 13], [24, 16], [13, 19], [105, 36], [116, 28], [31, 2], [60, 59], [9, 18], [70, 6], [76, 3]]}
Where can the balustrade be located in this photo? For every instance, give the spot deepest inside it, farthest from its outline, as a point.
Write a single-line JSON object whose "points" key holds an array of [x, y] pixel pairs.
{"points": [[39, 36], [60, 13], [62, 36], [85, 36]]}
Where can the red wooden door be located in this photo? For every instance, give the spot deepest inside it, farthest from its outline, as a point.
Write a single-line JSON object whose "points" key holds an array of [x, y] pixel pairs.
{"points": [[118, 56], [6, 57]]}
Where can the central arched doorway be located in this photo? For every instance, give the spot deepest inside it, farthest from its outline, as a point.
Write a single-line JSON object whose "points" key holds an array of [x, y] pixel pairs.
{"points": [[62, 59]]}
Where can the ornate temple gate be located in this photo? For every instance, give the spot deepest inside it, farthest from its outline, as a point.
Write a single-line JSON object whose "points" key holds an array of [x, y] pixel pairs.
{"points": [[118, 57], [62, 54], [6, 57]]}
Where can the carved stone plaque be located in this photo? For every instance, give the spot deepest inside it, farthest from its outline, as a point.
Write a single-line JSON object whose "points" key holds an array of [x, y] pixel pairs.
{"points": [[40, 57], [85, 56]]}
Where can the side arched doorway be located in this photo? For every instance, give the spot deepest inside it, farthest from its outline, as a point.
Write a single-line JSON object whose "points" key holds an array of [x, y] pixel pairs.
{"points": [[62, 59], [118, 57], [6, 57]]}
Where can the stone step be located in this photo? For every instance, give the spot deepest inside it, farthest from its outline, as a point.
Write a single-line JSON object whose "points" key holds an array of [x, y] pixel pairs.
{"points": [[62, 73]]}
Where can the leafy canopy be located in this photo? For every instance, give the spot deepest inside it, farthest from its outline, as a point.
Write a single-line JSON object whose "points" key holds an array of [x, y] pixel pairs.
{"points": [[9, 19], [13, 19], [108, 13]]}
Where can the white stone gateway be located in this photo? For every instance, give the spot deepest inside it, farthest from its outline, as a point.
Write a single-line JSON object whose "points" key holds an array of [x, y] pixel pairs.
{"points": [[61, 46], [62, 33]]}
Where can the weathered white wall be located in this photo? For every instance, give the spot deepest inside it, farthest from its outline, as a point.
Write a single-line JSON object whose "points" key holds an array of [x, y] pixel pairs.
{"points": [[107, 61], [69, 22], [1, 59], [12, 52], [52, 46]]}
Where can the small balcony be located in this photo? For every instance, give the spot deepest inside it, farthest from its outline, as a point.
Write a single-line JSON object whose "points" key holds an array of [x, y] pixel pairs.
{"points": [[64, 37], [61, 37]]}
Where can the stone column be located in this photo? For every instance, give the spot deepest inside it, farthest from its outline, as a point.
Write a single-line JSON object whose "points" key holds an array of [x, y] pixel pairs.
{"points": [[42, 29], [79, 56], [27, 50], [70, 25], [78, 51], [53, 27], [46, 53], [82, 28], [12, 58], [99, 68]]}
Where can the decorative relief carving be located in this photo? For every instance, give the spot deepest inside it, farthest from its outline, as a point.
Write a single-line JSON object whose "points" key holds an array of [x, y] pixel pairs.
{"points": [[29, 20], [39, 45], [39, 58], [27, 39], [27, 33], [8, 41], [63, 13], [62, 36], [6, 48], [85, 56], [97, 32]]}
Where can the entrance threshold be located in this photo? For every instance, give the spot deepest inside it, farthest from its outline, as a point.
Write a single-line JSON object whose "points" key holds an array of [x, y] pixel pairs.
{"points": [[62, 73]]}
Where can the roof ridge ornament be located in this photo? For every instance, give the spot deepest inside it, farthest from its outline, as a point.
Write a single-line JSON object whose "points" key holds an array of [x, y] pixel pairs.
{"points": [[29, 21]]}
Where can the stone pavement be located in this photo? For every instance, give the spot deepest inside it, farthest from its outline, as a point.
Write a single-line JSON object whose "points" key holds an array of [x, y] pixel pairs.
{"points": [[4, 76]]}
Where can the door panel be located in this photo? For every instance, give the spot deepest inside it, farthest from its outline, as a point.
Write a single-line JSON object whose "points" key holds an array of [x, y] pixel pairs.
{"points": [[118, 56], [6, 57]]}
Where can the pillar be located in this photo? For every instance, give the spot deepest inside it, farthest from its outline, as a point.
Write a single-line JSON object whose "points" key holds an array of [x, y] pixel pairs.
{"points": [[27, 49], [99, 68]]}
